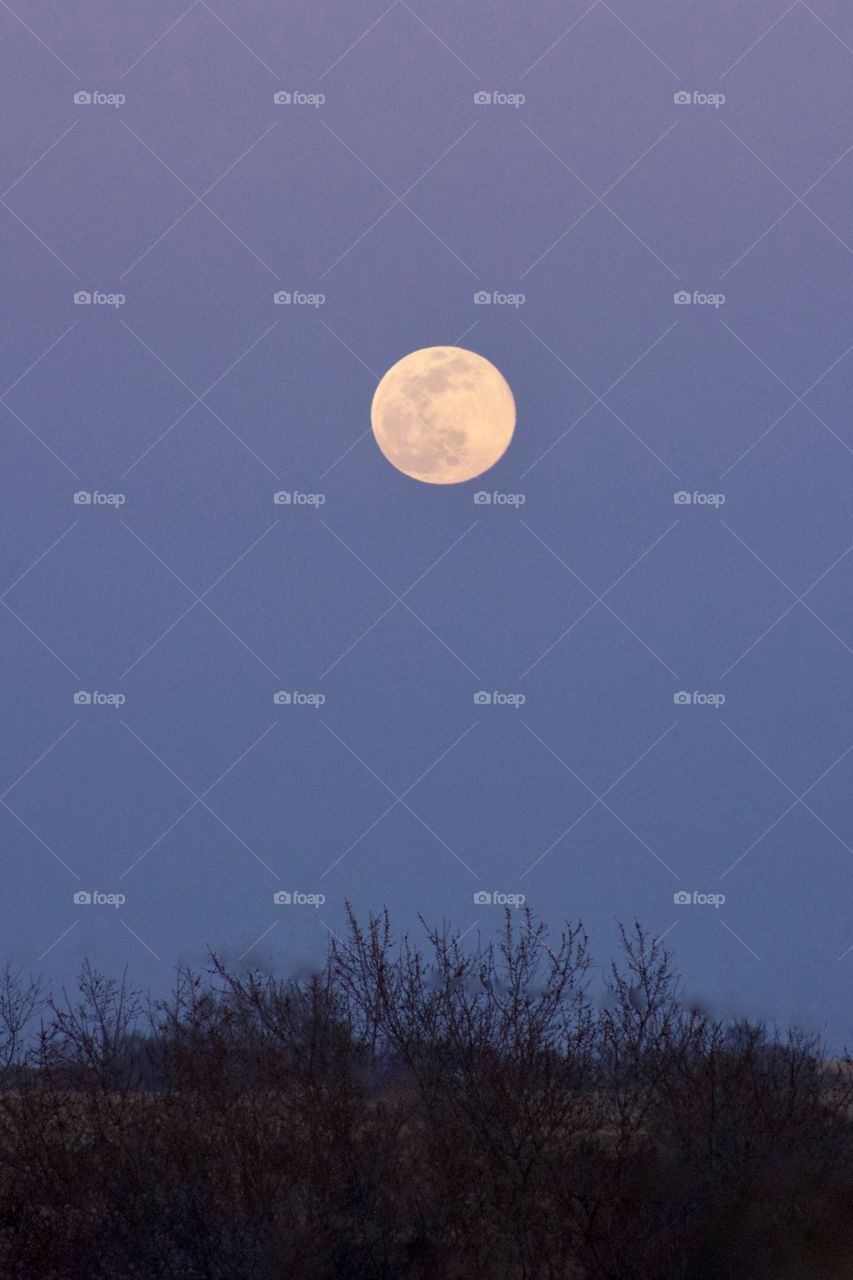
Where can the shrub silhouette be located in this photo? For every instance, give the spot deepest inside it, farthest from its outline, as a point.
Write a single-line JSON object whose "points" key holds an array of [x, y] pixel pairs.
{"points": [[447, 1113]]}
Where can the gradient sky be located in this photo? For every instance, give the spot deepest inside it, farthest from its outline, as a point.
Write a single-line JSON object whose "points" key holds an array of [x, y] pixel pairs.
{"points": [[598, 599]]}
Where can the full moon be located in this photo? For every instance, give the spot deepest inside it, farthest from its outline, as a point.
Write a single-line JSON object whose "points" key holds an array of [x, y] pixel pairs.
{"points": [[443, 415]]}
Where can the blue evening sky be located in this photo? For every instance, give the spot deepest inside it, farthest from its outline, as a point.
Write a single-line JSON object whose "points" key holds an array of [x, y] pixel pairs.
{"points": [[184, 197]]}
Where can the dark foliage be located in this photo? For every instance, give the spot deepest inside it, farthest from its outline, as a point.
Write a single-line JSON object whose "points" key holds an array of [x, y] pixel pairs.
{"points": [[457, 1113]]}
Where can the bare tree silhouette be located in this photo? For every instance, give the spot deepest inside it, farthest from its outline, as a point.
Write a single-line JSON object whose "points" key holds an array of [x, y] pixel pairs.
{"points": [[442, 1112]]}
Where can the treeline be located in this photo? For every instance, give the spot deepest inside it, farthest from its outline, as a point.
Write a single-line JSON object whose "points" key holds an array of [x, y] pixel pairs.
{"points": [[445, 1112]]}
